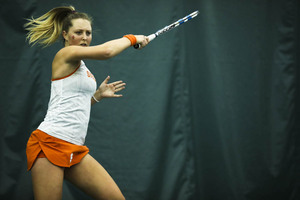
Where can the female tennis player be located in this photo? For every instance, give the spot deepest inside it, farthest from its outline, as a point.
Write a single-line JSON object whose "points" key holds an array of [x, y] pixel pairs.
{"points": [[56, 149]]}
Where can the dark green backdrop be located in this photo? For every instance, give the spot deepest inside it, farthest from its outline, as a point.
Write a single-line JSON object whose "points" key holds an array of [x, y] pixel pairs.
{"points": [[210, 112]]}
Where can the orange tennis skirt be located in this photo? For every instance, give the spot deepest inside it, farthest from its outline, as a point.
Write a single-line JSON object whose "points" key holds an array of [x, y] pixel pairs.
{"points": [[57, 151]]}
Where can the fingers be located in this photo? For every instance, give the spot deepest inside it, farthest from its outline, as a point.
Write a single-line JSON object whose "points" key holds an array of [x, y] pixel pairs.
{"points": [[118, 95], [116, 87], [107, 79], [119, 87], [142, 40], [117, 83], [145, 41], [110, 89]]}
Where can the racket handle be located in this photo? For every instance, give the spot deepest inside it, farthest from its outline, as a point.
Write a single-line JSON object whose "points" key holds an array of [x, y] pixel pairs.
{"points": [[150, 37]]}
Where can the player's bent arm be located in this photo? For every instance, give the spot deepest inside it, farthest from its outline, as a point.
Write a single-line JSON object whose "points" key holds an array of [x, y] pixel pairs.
{"points": [[100, 52]]}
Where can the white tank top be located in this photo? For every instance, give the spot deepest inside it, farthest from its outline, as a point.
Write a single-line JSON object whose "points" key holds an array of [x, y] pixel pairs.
{"points": [[69, 107]]}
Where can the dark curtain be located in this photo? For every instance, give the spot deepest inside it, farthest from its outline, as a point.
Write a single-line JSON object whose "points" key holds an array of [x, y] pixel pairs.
{"points": [[210, 111]]}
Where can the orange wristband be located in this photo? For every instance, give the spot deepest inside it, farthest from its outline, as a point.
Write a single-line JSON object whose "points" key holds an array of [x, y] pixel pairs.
{"points": [[132, 38]]}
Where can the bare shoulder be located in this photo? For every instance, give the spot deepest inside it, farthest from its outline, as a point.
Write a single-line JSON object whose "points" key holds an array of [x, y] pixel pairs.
{"points": [[63, 64], [66, 54]]}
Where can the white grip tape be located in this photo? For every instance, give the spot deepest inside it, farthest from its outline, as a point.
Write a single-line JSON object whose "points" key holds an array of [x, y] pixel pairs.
{"points": [[151, 37]]}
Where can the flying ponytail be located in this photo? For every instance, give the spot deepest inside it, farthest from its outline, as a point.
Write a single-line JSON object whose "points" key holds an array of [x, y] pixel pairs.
{"points": [[46, 29]]}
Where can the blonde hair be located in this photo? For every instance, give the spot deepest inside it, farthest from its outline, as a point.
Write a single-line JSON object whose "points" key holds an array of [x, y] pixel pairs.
{"points": [[47, 28]]}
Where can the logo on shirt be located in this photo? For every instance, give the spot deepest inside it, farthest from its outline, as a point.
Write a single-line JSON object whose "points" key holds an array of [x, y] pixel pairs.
{"points": [[89, 74]]}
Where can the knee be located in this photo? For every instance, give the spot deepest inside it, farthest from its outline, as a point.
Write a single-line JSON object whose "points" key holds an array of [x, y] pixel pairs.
{"points": [[114, 197], [117, 196], [120, 197]]}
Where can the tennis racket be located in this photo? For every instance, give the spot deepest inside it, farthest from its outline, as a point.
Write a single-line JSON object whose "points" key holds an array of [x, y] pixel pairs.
{"points": [[170, 27]]}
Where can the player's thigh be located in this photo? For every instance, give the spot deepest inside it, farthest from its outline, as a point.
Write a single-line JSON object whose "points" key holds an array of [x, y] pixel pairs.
{"points": [[47, 180], [93, 179]]}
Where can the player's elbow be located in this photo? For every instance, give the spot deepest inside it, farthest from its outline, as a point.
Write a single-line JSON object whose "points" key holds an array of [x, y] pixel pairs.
{"points": [[107, 53]]}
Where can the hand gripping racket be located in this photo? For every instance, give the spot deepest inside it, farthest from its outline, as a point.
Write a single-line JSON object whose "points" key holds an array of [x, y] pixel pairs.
{"points": [[170, 27]]}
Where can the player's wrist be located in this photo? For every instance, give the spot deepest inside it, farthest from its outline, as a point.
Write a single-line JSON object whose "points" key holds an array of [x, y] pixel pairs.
{"points": [[95, 99], [132, 39], [97, 96]]}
